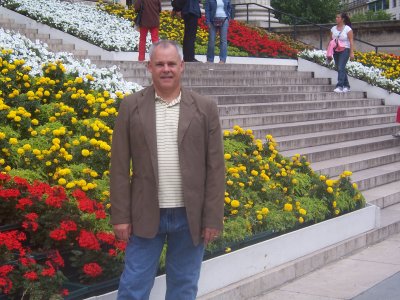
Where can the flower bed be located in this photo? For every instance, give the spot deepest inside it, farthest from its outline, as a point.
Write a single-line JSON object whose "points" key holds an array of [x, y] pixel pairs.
{"points": [[55, 132], [110, 27], [377, 69]]}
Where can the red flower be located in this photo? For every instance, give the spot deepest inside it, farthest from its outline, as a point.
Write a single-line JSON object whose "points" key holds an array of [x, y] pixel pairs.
{"points": [[31, 216], [54, 201], [4, 177], [5, 269], [112, 252], [27, 261], [92, 269], [65, 292], [86, 205], [58, 234], [5, 285], [30, 221], [88, 240], [21, 181], [12, 239], [23, 202], [106, 237], [68, 226], [78, 194], [56, 258], [9, 193], [100, 214], [31, 275], [49, 272], [120, 245]]}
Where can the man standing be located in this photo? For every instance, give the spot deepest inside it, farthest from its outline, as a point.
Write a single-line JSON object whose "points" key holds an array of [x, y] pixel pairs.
{"points": [[190, 14], [167, 179]]}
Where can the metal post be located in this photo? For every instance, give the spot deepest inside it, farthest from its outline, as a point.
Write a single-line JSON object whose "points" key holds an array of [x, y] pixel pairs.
{"points": [[269, 19], [247, 13]]}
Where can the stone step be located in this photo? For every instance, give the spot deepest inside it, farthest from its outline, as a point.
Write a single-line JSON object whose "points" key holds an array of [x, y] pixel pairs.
{"points": [[343, 149], [377, 176], [255, 99], [358, 162], [275, 106], [311, 115], [37, 36], [198, 66], [284, 129], [13, 26], [63, 47], [335, 136], [22, 31], [231, 91], [143, 73], [384, 195], [228, 81]]}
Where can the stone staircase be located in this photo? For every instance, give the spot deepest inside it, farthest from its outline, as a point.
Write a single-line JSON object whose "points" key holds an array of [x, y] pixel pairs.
{"points": [[336, 132]]}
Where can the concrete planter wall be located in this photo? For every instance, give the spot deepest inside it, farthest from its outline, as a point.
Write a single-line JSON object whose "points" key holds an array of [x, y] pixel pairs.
{"points": [[238, 265], [356, 84]]}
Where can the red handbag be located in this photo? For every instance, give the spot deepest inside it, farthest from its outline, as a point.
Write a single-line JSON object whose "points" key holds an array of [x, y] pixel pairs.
{"points": [[398, 115]]}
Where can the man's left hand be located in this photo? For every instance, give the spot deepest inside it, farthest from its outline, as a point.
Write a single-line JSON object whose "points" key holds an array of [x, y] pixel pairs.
{"points": [[209, 235]]}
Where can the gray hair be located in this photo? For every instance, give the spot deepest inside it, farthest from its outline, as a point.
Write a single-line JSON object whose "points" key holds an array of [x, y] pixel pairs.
{"points": [[166, 44]]}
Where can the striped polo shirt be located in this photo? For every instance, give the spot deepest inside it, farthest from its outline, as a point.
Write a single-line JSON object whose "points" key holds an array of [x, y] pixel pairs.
{"points": [[170, 191]]}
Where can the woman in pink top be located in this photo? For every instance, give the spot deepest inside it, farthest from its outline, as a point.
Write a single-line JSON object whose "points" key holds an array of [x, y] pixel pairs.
{"points": [[342, 32]]}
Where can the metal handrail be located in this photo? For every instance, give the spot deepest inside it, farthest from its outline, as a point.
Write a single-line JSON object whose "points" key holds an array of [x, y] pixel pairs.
{"points": [[296, 19]]}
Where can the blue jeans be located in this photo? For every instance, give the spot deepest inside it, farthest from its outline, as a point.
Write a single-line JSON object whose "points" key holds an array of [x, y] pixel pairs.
{"points": [[223, 46], [341, 59], [183, 260]]}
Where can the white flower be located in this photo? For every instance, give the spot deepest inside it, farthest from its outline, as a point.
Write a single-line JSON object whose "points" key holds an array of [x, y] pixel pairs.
{"points": [[372, 75], [107, 31], [36, 54]]}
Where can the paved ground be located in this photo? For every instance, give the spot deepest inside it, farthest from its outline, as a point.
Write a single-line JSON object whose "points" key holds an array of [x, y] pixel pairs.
{"points": [[371, 274]]}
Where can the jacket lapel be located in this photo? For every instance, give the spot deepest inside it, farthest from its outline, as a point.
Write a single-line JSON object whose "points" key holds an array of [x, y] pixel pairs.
{"points": [[186, 114], [147, 113]]}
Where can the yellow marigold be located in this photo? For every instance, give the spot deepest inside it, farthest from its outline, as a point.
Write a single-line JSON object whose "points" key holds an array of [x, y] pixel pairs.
{"points": [[227, 156], [355, 186], [259, 217], [329, 182], [227, 200], [329, 190], [235, 203], [301, 220], [334, 204], [254, 173], [264, 210], [322, 177], [288, 207], [229, 182], [302, 211], [85, 152]]}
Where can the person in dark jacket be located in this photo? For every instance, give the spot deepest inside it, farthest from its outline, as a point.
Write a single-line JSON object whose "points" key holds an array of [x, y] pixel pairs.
{"points": [[190, 14], [150, 22]]}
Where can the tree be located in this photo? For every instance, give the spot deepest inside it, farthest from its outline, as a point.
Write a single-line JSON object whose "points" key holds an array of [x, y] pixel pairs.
{"points": [[315, 11]]}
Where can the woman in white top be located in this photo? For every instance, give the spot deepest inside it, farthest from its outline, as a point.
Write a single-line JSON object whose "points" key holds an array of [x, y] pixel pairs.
{"points": [[343, 32]]}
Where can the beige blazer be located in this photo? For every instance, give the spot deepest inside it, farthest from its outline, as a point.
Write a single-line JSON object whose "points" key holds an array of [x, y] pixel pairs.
{"points": [[134, 199]]}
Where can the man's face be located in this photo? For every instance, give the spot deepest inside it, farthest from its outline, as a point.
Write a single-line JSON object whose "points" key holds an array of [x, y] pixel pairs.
{"points": [[166, 68]]}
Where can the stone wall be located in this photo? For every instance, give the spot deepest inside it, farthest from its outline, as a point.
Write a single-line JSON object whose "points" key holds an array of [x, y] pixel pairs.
{"points": [[377, 33]]}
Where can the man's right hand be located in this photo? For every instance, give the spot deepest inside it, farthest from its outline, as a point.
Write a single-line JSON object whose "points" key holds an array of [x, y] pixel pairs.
{"points": [[122, 231]]}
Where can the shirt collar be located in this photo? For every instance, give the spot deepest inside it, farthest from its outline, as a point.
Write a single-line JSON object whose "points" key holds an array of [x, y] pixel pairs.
{"points": [[175, 101]]}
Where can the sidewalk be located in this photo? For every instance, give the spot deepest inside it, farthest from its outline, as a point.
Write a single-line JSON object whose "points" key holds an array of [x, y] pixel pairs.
{"points": [[371, 274]]}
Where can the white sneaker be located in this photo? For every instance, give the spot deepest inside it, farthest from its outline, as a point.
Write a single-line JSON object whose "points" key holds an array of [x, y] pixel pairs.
{"points": [[346, 89], [338, 90]]}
